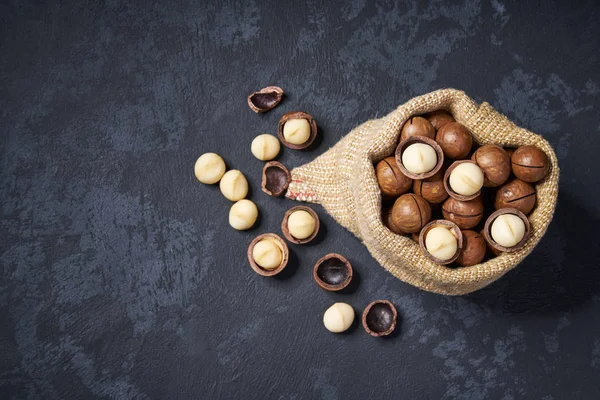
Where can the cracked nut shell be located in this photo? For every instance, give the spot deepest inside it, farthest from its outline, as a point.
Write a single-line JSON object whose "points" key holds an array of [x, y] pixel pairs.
{"points": [[419, 139], [265, 99], [285, 228], [455, 230], [379, 318], [275, 178], [284, 254], [297, 115], [332, 272], [488, 227]]}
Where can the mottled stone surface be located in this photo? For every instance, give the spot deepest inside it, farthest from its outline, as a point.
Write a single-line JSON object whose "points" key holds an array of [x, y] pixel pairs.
{"points": [[120, 277]]}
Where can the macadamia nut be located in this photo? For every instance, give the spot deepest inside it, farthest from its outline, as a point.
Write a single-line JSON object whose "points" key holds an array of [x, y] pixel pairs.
{"points": [[265, 147], [243, 215], [234, 185], [338, 317], [267, 254], [301, 224], [296, 131], [508, 230], [209, 168], [419, 158], [466, 179], [441, 243]]}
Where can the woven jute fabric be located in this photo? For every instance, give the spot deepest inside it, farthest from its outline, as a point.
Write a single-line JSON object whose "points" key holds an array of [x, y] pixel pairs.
{"points": [[343, 181]]}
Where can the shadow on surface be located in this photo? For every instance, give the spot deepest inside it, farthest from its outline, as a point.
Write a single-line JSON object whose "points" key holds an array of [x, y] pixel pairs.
{"points": [[562, 272]]}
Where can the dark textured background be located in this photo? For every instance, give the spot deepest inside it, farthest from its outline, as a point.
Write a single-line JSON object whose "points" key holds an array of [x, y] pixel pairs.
{"points": [[120, 275]]}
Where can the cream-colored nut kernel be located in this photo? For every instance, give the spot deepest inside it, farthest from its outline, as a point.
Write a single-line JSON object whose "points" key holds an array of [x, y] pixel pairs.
{"points": [[234, 185], [243, 215], [441, 243], [419, 158], [301, 224], [508, 230], [267, 254], [338, 317], [466, 179], [265, 147], [209, 168], [296, 131]]}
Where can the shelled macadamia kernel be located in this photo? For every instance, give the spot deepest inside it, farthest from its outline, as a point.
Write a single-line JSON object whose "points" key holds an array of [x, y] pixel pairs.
{"points": [[209, 168], [234, 185]]}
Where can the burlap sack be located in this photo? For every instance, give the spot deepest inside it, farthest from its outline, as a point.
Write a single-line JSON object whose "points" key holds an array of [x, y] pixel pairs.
{"points": [[343, 181]]}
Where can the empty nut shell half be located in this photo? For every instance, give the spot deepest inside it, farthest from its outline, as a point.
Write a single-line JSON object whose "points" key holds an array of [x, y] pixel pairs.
{"points": [[265, 99], [419, 139], [275, 178], [332, 272], [297, 115], [284, 254], [455, 230], [379, 318], [449, 189], [487, 234], [286, 231]]}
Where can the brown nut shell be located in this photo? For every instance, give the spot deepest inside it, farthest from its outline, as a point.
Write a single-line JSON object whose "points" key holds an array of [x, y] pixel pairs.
{"points": [[474, 248], [265, 99], [380, 318], [431, 189], [275, 178], [451, 192], [386, 217], [285, 253], [488, 226], [490, 251], [410, 213], [466, 214], [439, 118], [419, 139], [530, 164], [286, 231], [455, 230], [494, 163], [417, 126], [516, 194], [332, 272], [391, 180], [455, 139], [297, 115]]}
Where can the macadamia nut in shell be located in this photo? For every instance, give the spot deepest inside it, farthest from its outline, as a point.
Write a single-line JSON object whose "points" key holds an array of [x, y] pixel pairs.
{"points": [[267, 254], [466, 179], [301, 224], [508, 230], [441, 243], [419, 158], [296, 131]]}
